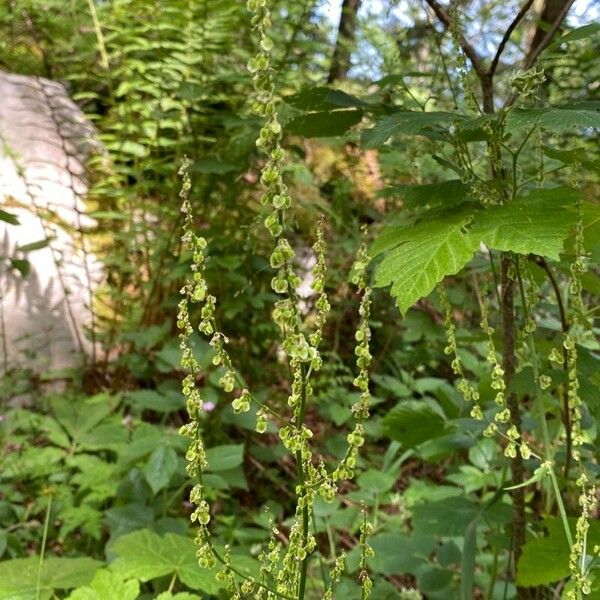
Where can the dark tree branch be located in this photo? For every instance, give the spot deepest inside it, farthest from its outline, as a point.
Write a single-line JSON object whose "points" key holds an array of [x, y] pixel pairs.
{"points": [[468, 49], [508, 33], [537, 49], [545, 41]]}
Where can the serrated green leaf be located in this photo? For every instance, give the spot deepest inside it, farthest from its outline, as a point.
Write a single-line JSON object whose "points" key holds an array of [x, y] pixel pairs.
{"points": [[534, 224], [107, 586], [324, 123], [413, 422], [423, 255], [18, 577], [446, 193], [145, 555], [577, 116], [225, 457], [160, 467], [408, 123], [323, 99]]}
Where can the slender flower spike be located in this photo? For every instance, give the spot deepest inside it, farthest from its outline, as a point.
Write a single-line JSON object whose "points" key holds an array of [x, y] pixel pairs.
{"points": [[366, 552]]}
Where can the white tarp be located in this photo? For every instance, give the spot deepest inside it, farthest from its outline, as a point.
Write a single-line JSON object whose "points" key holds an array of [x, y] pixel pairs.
{"points": [[45, 141]]}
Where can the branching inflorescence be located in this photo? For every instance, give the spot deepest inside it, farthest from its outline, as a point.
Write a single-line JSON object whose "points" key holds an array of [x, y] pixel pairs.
{"points": [[283, 570]]}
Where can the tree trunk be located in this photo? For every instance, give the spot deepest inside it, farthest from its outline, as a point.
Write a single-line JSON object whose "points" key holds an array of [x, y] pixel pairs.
{"points": [[550, 12], [340, 63]]}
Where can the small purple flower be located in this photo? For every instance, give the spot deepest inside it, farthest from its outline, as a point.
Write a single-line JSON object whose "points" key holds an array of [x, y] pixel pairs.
{"points": [[208, 406]]}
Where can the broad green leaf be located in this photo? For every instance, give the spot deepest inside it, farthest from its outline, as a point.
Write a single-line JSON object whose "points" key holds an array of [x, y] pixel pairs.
{"points": [[160, 467], [578, 34], [537, 223], [423, 255], [80, 417], [449, 517], [408, 123], [412, 422], [579, 156], [225, 457], [323, 99], [433, 579], [399, 553], [107, 586], [577, 116], [156, 401], [8, 217], [145, 555], [324, 123], [376, 481], [451, 192], [546, 559], [18, 577], [122, 520]]}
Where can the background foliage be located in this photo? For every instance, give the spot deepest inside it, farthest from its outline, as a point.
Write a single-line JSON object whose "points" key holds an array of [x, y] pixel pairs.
{"points": [[93, 479]]}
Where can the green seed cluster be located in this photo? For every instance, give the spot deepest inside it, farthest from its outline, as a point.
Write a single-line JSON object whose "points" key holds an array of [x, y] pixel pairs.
{"points": [[318, 285], [468, 391], [360, 409], [286, 568], [527, 83], [588, 498], [366, 552], [470, 394], [588, 501]]}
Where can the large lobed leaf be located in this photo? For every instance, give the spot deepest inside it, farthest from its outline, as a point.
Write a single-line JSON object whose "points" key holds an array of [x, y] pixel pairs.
{"points": [[144, 555], [324, 123], [407, 122], [19, 577], [560, 118], [107, 586], [534, 224], [423, 255], [418, 256]]}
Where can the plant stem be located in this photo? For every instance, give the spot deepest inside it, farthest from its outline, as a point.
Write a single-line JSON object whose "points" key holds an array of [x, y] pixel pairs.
{"points": [[99, 36], [542, 409], [301, 484], [43, 548], [508, 364]]}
